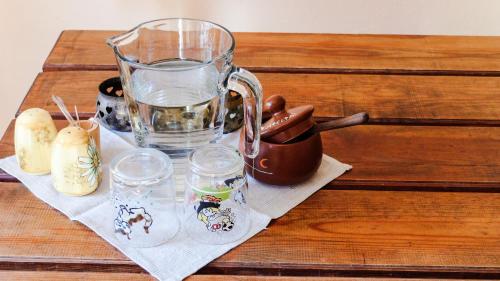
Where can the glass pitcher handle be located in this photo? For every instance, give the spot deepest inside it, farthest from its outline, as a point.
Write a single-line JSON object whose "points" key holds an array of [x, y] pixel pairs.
{"points": [[248, 86]]}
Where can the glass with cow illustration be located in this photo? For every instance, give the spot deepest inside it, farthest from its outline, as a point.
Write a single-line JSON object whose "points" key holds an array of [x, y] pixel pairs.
{"points": [[143, 197], [215, 201]]}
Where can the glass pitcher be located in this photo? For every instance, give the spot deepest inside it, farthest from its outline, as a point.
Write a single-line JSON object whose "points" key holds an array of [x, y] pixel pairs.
{"points": [[176, 74]]}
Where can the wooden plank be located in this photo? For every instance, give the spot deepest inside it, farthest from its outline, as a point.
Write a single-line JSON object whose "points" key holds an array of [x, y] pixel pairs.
{"points": [[292, 278], [423, 157], [332, 232], [418, 156], [389, 99], [317, 53], [7, 275], [7, 148], [295, 278]]}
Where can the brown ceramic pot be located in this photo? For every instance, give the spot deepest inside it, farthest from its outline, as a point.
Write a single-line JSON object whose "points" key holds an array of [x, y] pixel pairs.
{"points": [[290, 148], [285, 164]]}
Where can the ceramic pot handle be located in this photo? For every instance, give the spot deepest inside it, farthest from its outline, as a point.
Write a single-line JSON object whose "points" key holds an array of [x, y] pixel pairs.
{"points": [[245, 83]]}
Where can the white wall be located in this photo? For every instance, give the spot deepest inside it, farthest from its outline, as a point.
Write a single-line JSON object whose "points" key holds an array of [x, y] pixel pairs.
{"points": [[29, 28]]}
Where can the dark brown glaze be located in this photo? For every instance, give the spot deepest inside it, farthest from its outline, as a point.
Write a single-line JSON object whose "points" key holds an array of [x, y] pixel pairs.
{"points": [[285, 164], [285, 125]]}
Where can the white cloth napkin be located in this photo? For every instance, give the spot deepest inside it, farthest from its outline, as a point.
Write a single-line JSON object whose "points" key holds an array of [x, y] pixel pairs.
{"points": [[181, 256]]}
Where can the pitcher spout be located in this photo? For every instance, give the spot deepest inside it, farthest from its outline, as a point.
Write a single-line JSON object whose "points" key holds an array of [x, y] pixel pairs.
{"points": [[127, 37], [121, 39]]}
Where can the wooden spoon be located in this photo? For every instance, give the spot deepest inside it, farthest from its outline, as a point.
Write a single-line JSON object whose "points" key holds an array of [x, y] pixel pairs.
{"points": [[356, 119]]}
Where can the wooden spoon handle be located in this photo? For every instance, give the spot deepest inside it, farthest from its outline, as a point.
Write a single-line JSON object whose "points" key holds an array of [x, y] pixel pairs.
{"points": [[348, 121]]}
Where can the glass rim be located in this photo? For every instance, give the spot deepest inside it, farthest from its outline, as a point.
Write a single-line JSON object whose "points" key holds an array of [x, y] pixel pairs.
{"points": [[201, 171], [111, 42], [163, 173]]}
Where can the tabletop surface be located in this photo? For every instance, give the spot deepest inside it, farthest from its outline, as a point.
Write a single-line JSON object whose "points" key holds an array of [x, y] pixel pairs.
{"points": [[423, 198]]}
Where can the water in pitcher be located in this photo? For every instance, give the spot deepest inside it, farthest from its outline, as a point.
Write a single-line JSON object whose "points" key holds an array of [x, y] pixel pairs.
{"points": [[176, 111]]}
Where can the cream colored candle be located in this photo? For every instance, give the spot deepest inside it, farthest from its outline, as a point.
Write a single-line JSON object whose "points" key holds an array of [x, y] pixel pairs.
{"points": [[34, 133], [76, 162]]}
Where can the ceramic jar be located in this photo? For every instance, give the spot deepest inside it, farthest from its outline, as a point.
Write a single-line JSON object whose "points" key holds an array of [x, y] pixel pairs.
{"points": [[111, 106], [285, 164], [33, 137], [76, 162], [234, 115]]}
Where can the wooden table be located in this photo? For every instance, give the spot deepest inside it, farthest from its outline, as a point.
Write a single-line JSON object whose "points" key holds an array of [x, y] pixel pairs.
{"points": [[422, 200]]}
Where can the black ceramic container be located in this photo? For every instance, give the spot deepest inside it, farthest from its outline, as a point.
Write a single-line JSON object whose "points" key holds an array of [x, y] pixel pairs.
{"points": [[111, 106]]}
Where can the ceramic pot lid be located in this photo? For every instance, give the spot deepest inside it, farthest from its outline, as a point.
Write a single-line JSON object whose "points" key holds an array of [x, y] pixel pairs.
{"points": [[285, 125]]}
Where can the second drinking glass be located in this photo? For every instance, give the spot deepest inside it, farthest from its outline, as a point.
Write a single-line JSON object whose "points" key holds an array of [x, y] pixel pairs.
{"points": [[215, 202]]}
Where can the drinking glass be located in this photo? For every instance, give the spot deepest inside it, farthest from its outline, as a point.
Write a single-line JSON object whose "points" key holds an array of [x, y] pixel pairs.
{"points": [[215, 202], [143, 196]]}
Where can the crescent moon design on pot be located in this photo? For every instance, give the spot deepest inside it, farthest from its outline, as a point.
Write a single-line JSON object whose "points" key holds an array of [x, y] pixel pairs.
{"points": [[262, 163]]}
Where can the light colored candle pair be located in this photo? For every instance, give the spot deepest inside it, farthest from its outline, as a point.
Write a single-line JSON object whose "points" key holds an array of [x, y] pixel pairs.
{"points": [[72, 155]]}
